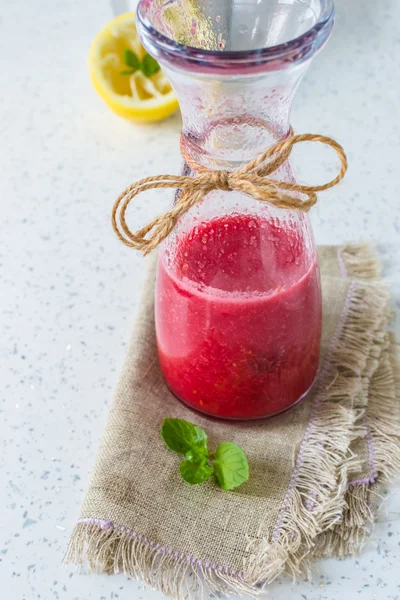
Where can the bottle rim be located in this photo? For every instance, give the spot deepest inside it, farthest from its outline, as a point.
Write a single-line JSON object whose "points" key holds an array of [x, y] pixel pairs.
{"points": [[275, 57]]}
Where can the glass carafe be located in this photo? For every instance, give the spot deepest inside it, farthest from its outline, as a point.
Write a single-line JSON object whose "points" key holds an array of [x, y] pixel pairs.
{"points": [[238, 298]]}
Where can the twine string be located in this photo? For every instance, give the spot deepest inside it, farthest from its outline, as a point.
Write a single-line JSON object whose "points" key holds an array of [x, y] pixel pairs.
{"points": [[251, 179]]}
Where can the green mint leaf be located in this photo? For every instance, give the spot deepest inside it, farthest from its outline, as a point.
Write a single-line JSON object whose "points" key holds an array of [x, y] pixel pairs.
{"points": [[149, 65], [231, 468], [131, 60], [183, 437], [195, 470], [128, 72]]}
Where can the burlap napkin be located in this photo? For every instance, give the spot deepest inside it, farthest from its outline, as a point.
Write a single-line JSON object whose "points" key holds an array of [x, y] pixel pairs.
{"points": [[314, 470]]}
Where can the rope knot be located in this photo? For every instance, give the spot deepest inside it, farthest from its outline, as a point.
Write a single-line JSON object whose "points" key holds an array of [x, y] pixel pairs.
{"points": [[252, 180], [221, 180]]}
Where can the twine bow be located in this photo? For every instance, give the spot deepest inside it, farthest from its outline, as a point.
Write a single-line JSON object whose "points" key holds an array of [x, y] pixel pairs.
{"points": [[252, 179]]}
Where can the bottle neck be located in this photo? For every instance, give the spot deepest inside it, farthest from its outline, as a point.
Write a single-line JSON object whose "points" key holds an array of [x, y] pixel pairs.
{"points": [[228, 120]]}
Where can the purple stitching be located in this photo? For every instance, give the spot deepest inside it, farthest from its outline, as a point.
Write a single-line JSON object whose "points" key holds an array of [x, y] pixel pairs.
{"points": [[107, 525], [371, 449], [370, 445], [310, 501], [371, 479], [371, 460], [342, 264], [321, 379]]}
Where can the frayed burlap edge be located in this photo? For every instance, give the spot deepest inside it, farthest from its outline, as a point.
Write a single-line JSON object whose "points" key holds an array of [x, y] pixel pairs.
{"points": [[359, 260], [362, 497], [316, 499], [381, 425]]}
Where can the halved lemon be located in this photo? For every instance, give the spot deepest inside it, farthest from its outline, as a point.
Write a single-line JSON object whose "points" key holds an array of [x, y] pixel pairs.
{"points": [[133, 96]]}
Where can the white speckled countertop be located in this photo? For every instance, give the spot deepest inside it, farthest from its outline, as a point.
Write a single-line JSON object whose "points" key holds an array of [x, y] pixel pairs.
{"points": [[69, 289]]}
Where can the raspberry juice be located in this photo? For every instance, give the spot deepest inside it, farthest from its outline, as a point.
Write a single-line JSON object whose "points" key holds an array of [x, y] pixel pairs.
{"points": [[238, 317]]}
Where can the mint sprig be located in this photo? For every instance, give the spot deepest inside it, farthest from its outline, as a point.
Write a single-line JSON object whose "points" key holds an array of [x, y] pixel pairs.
{"points": [[131, 60], [184, 437], [149, 66], [228, 465], [195, 470]]}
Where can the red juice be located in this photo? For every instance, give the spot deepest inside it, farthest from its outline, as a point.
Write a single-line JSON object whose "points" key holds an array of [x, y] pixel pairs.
{"points": [[238, 317]]}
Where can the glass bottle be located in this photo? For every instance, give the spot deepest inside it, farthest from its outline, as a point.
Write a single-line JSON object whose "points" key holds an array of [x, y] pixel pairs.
{"points": [[238, 298]]}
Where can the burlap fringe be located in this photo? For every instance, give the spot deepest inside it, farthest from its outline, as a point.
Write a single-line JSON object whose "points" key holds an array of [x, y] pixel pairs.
{"points": [[383, 418], [317, 501], [360, 260], [361, 498], [176, 575]]}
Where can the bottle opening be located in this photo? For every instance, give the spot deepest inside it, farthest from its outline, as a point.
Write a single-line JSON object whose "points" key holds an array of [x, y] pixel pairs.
{"points": [[235, 30]]}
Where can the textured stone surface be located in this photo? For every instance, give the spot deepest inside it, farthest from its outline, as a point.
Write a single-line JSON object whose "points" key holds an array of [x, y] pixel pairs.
{"points": [[69, 289]]}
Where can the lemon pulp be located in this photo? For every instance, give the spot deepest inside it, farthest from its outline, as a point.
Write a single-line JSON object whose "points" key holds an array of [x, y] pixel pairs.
{"points": [[135, 97]]}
